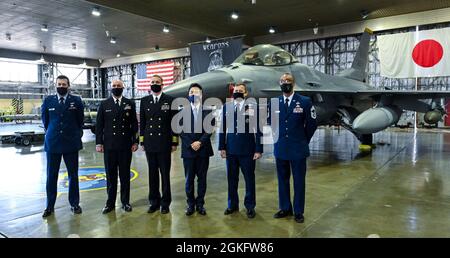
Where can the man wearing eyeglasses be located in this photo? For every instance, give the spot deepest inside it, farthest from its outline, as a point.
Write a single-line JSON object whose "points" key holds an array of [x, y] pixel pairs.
{"points": [[240, 144]]}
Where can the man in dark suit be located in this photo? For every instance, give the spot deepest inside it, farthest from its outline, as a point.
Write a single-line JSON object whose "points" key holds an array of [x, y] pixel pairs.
{"points": [[158, 141], [240, 144], [195, 149], [117, 136], [62, 116], [295, 128]]}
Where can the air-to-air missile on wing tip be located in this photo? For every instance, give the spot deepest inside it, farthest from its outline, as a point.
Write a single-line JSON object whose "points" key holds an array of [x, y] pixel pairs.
{"points": [[343, 99]]}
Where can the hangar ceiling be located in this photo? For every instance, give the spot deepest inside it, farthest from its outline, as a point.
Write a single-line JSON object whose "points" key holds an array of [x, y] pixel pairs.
{"points": [[137, 24]]}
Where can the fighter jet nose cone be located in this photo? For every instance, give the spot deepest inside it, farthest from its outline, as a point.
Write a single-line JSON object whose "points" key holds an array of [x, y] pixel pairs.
{"points": [[213, 83]]}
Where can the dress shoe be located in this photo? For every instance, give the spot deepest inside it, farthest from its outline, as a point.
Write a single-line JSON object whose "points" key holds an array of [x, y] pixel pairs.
{"points": [[76, 209], [165, 210], [47, 212], [189, 211], [299, 218], [282, 214], [152, 209], [127, 207], [251, 213], [229, 211], [107, 209], [201, 210]]}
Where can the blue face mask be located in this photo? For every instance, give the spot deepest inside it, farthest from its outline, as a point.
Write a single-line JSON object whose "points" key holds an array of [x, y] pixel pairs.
{"points": [[194, 98]]}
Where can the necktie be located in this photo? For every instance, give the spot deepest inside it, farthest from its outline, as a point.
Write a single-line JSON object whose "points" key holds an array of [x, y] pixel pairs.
{"points": [[156, 100], [286, 103], [195, 114], [117, 103], [61, 101]]}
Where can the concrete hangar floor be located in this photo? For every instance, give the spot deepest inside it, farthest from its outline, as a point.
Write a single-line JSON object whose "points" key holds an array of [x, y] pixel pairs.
{"points": [[401, 190]]}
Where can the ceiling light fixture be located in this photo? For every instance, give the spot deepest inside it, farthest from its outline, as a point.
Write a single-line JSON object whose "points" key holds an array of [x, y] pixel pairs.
{"points": [[41, 60], [44, 28], [118, 55], [271, 30], [208, 40], [316, 29], [166, 29], [113, 40], [234, 15], [96, 11], [364, 14]]}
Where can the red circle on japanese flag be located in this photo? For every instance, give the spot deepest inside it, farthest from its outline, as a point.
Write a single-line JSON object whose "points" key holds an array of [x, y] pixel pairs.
{"points": [[427, 53]]}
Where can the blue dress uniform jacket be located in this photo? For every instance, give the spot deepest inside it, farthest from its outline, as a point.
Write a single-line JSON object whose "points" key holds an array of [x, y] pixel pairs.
{"points": [[295, 128], [116, 127], [63, 124], [230, 137], [188, 137]]}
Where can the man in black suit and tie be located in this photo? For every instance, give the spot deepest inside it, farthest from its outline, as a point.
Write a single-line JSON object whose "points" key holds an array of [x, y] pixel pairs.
{"points": [[195, 149], [117, 137], [158, 141]]}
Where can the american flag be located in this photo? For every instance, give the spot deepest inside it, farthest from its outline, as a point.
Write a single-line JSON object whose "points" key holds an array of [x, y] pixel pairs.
{"points": [[145, 72]]}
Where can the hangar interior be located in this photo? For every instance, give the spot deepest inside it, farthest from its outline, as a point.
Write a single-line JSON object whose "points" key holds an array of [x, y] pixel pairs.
{"points": [[400, 189]]}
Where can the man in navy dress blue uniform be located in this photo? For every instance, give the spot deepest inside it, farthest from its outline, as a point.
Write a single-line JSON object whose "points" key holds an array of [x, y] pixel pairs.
{"points": [[117, 137], [295, 127], [196, 149], [62, 116], [158, 141], [240, 144]]}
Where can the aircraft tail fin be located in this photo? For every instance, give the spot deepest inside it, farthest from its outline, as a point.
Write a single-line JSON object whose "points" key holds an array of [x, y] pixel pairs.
{"points": [[358, 69]]}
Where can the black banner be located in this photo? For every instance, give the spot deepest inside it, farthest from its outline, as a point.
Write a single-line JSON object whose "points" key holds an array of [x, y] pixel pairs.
{"points": [[206, 57]]}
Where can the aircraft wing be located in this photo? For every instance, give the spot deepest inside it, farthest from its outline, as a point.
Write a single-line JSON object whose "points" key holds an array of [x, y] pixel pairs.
{"points": [[419, 94]]}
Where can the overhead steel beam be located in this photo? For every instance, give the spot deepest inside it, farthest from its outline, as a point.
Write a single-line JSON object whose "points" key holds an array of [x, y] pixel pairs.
{"points": [[379, 24], [167, 54], [49, 58]]}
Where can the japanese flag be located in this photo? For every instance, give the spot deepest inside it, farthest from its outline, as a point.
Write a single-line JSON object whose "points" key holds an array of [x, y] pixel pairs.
{"points": [[415, 54]]}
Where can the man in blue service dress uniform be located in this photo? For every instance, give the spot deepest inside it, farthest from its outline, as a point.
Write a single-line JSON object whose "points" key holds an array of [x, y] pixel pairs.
{"points": [[240, 144], [117, 137], [295, 128], [196, 149], [62, 116]]}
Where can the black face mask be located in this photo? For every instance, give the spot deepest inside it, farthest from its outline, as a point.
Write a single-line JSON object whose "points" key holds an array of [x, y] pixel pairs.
{"points": [[62, 90], [117, 91], [286, 87], [237, 95], [194, 98], [156, 88]]}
